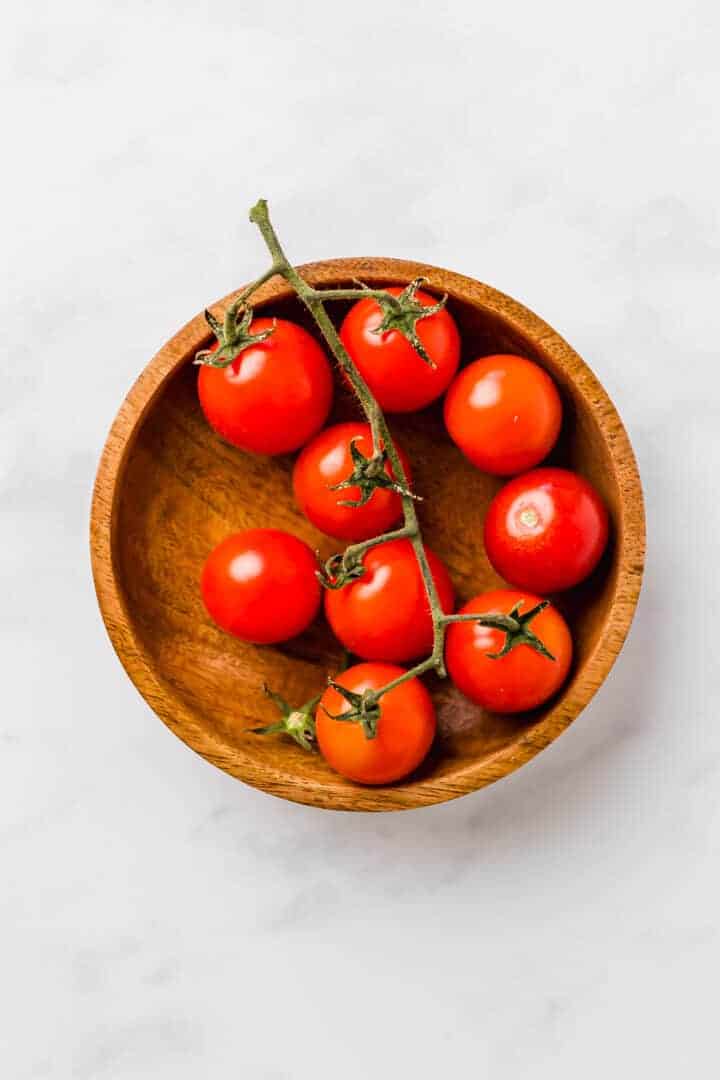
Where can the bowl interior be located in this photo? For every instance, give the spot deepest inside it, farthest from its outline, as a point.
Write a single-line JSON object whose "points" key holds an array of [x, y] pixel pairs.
{"points": [[182, 490]]}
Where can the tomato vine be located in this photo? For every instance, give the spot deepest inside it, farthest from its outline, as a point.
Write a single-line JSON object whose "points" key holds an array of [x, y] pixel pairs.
{"points": [[401, 313]]}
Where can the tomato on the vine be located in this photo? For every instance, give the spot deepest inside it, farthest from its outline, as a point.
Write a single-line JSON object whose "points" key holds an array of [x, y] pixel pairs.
{"points": [[274, 395], [546, 530], [400, 380], [325, 462], [260, 585], [405, 726], [504, 413], [525, 676], [385, 615]]}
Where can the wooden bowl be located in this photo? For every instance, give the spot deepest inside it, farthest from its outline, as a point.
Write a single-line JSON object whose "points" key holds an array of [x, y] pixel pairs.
{"points": [[168, 489]]}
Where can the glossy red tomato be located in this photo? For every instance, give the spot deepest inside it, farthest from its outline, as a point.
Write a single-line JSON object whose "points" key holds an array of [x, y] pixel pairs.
{"points": [[401, 381], [522, 679], [384, 615], [326, 461], [504, 413], [546, 530], [405, 728], [274, 395], [260, 585]]}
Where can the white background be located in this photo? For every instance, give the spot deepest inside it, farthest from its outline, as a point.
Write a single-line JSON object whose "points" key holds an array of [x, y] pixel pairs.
{"points": [[157, 918]]}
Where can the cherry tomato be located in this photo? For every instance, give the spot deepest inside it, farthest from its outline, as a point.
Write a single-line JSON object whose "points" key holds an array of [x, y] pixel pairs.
{"points": [[504, 413], [260, 585], [522, 679], [384, 615], [401, 381], [326, 461], [274, 395], [405, 728], [546, 530]]}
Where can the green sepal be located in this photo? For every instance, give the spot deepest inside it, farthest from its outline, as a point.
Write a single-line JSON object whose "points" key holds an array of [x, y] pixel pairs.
{"points": [[516, 627], [368, 474], [364, 709], [299, 724], [233, 335], [404, 312], [334, 574], [215, 325]]}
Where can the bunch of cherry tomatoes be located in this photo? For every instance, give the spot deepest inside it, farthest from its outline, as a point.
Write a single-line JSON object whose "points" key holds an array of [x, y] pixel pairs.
{"points": [[545, 530]]}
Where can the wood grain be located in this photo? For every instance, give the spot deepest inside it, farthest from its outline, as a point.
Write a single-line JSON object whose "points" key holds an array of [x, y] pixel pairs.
{"points": [[168, 489]]}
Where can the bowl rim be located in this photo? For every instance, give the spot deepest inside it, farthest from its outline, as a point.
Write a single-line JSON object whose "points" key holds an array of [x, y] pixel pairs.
{"points": [[176, 713]]}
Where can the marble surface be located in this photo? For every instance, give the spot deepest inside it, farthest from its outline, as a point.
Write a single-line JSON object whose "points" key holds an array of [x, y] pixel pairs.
{"points": [[158, 919]]}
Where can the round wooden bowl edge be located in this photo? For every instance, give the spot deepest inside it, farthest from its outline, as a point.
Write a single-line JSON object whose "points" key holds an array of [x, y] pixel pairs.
{"points": [[340, 795]]}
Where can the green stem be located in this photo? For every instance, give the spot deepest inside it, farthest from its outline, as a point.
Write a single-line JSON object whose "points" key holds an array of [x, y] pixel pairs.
{"points": [[355, 552], [313, 300], [412, 673], [499, 622], [353, 294], [252, 287]]}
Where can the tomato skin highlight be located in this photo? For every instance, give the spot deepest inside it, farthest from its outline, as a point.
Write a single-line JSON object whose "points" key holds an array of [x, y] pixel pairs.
{"points": [[523, 678], [504, 412], [325, 461], [260, 585], [400, 380], [405, 729], [546, 530], [384, 615], [274, 395]]}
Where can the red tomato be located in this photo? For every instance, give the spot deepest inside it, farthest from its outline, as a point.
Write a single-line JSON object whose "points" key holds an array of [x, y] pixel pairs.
{"points": [[384, 615], [326, 461], [504, 413], [260, 585], [401, 381], [405, 728], [523, 678], [274, 395], [546, 530]]}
